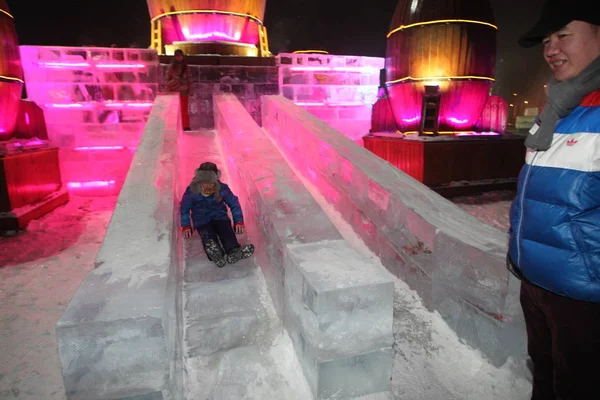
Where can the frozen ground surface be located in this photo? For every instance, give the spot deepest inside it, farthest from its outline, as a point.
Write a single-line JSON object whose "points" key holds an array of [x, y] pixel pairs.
{"points": [[490, 208], [40, 269]]}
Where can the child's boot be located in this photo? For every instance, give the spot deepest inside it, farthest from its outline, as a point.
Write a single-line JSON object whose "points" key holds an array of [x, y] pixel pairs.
{"points": [[239, 253], [215, 253]]}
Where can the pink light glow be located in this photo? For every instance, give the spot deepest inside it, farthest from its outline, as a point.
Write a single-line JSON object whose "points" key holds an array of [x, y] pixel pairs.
{"points": [[64, 64], [91, 184], [72, 105], [458, 121], [409, 120], [309, 104], [369, 70], [347, 103], [107, 104], [366, 70], [478, 134], [214, 27], [141, 105], [27, 118], [67, 64], [311, 69], [210, 35], [119, 66], [99, 148]]}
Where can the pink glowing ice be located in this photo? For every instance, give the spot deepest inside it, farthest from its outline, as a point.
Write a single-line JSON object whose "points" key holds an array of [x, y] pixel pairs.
{"points": [[71, 64], [93, 148], [362, 70], [91, 184], [96, 104]]}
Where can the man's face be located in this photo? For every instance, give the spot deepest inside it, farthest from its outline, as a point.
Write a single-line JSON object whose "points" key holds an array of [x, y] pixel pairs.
{"points": [[179, 57], [571, 49]]}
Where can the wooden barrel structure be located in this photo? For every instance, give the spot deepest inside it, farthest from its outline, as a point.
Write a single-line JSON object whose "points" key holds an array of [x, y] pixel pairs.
{"points": [[229, 27], [446, 43], [11, 73]]}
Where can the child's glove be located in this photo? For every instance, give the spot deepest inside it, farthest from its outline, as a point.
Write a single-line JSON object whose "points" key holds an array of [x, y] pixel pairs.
{"points": [[239, 228], [187, 232]]}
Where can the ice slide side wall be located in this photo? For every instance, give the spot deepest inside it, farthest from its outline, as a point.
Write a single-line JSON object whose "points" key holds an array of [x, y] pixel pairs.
{"points": [[120, 335], [336, 305], [455, 262]]}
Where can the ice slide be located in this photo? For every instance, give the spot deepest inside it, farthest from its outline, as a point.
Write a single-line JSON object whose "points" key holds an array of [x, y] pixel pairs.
{"points": [[157, 319]]}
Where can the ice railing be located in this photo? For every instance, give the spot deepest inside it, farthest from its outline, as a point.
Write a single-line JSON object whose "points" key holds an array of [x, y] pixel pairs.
{"points": [[334, 80]]}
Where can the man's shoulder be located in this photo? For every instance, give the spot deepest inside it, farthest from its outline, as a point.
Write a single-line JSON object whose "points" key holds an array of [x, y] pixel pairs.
{"points": [[591, 100]]}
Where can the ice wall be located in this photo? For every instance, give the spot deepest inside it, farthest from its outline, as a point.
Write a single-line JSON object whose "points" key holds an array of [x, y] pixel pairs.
{"points": [[336, 305], [247, 82], [455, 262], [119, 336], [339, 90], [96, 102]]}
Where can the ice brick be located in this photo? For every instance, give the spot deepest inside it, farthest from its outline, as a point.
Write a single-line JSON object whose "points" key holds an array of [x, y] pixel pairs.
{"points": [[338, 313], [340, 301]]}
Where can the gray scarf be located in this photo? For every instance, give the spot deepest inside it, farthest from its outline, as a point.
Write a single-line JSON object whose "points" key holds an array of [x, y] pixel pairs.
{"points": [[563, 97]]}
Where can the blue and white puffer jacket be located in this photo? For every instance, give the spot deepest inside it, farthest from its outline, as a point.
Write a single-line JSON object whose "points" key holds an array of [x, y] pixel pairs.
{"points": [[555, 219], [205, 209]]}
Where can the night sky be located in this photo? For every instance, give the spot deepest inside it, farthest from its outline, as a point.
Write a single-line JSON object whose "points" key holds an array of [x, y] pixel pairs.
{"points": [[332, 25]]}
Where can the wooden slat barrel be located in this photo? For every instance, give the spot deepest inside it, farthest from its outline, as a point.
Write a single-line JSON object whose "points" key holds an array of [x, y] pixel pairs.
{"points": [[236, 21], [11, 73], [494, 115], [445, 43]]}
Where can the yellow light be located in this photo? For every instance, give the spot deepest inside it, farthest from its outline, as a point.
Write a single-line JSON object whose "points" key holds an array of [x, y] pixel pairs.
{"points": [[440, 21], [10, 78], [433, 79], [7, 13], [171, 13], [512, 105], [526, 102], [310, 51], [514, 94]]}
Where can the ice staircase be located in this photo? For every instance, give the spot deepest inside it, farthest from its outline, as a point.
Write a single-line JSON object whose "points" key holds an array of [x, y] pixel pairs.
{"points": [[234, 346]]}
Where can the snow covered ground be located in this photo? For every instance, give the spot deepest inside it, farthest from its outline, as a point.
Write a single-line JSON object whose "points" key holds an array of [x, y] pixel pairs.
{"points": [[41, 268], [430, 361], [490, 208]]}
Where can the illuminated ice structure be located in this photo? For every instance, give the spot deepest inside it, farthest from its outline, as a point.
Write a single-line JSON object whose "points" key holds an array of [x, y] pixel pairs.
{"points": [[340, 90], [96, 102]]}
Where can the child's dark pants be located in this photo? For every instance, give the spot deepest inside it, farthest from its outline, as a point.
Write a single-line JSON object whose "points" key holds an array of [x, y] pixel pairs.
{"points": [[222, 230]]}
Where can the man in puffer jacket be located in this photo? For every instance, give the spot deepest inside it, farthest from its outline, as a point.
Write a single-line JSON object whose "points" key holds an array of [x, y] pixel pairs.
{"points": [[555, 219], [207, 199]]}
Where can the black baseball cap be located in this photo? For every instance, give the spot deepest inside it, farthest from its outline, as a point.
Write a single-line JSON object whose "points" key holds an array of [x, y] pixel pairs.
{"points": [[558, 13]]}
